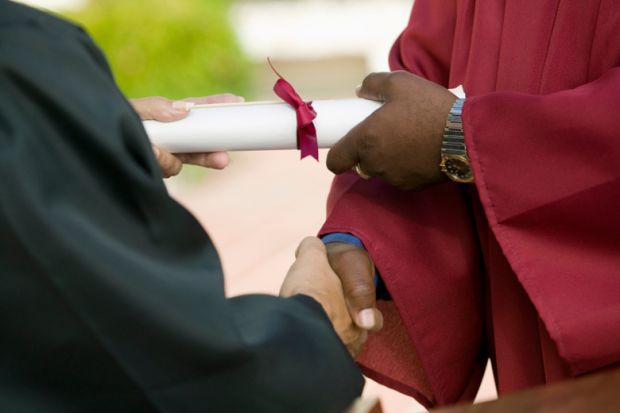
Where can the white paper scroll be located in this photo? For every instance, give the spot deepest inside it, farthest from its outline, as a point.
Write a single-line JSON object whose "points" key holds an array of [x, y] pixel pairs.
{"points": [[256, 126]]}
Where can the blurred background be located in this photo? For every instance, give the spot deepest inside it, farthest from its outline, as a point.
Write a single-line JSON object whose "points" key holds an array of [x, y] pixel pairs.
{"points": [[263, 204]]}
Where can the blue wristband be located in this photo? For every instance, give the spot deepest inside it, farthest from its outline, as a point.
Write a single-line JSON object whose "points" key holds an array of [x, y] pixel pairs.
{"points": [[344, 238]]}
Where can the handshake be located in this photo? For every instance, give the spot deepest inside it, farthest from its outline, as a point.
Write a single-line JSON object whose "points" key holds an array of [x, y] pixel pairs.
{"points": [[340, 277]]}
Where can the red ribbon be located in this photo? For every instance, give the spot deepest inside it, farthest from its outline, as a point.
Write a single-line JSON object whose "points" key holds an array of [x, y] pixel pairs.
{"points": [[307, 141]]}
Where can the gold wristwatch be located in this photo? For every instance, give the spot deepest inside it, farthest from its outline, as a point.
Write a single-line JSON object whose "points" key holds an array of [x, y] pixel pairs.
{"points": [[454, 159]]}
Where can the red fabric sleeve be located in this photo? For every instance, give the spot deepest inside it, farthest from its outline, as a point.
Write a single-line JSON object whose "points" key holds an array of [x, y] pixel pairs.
{"points": [[425, 249], [425, 46], [424, 246], [547, 170]]}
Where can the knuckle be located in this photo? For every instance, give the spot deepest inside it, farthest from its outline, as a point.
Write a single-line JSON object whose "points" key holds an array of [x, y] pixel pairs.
{"points": [[175, 170], [355, 347], [156, 104], [371, 132], [391, 80], [349, 336], [399, 76], [158, 153], [351, 259], [160, 100], [394, 82], [353, 254], [164, 115], [368, 79], [364, 291]]}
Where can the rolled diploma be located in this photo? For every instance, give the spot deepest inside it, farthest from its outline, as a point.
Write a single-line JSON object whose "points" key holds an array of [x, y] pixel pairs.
{"points": [[256, 126]]}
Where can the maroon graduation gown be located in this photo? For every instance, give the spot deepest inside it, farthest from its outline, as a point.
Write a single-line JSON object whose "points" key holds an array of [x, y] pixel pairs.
{"points": [[523, 267]]}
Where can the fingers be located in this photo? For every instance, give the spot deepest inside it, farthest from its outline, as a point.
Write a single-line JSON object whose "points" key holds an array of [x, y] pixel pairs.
{"points": [[221, 98], [360, 145], [346, 153], [165, 110], [213, 160], [170, 165], [373, 86], [343, 156], [161, 109], [356, 345]]}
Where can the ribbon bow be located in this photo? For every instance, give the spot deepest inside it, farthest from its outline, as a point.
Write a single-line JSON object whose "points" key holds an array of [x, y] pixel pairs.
{"points": [[306, 131]]}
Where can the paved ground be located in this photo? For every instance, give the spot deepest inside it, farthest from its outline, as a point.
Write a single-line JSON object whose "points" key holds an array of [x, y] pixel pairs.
{"points": [[257, 211]]}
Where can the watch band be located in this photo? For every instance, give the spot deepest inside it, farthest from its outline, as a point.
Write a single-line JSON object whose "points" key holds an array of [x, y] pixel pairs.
{"points": [[454, 159], [453, 136]]}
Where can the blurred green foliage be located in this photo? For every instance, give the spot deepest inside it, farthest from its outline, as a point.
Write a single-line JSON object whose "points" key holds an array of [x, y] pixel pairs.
{"points": [[172, 48]]}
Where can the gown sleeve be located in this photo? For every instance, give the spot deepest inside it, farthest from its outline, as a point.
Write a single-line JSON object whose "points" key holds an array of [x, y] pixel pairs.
{"points": [[425, 248], [112, 296], [546, 169], [424, 48]]}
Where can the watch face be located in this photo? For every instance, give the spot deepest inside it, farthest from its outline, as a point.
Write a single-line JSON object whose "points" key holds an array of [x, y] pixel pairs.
{"points": [[458, 169]]}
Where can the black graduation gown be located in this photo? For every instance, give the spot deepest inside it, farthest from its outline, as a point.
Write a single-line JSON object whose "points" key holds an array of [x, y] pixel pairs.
{"points": [[111, 294]]}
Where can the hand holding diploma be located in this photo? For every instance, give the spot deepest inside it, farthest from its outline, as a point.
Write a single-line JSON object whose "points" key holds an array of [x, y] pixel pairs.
{"points": [[401, 142], [164, 110]]}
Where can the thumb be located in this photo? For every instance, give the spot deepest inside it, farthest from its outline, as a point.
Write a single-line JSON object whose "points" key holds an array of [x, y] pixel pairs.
{"points": [[343, 156], [356, 272]]}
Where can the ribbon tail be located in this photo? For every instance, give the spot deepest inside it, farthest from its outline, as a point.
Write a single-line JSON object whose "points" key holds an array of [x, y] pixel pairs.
{"points": [[307, 142]]}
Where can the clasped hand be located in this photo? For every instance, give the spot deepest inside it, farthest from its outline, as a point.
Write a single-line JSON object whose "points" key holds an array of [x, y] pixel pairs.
{"points": [[313, 274]]}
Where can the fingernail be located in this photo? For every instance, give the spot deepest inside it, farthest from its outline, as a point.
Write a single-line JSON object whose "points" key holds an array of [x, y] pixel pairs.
{"points": [[366, 318], [181, 104], [156, 151], [357, 89]]}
